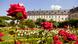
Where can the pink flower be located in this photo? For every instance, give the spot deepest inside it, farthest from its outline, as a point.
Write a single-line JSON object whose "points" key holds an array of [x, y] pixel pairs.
{"points": [[17, 8]]}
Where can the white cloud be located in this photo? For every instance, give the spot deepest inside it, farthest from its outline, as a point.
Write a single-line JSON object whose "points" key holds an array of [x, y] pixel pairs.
{"points": [[21, 4], [56, 7]]}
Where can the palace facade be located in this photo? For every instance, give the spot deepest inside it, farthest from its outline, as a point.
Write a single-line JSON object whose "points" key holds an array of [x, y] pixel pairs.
{"points": [[56, 15]]}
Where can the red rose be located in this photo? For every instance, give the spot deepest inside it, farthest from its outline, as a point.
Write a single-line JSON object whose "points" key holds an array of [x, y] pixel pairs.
{"points": [[17, 8], [1, 34], [72, 37], [76, 42], [17, 42], [63, 33], [47, 25], [56, 38], [67, 36], [58, 42]]}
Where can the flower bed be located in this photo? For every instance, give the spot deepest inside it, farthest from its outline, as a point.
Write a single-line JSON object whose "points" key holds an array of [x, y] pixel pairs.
{"points": [[38, 36]]}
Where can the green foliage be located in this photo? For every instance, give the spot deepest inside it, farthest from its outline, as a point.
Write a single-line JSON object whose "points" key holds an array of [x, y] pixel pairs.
{"points": [[5, 18], [12, 23], [39, 20], [3, 23], [56, 24], [73, 22], [73, 10], [51, 20], [19, 14], [11, 32], [30, 23]]}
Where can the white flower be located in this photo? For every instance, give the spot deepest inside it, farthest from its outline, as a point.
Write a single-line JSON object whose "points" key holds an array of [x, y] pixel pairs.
{"points": [[21, 34], [18, 34], [24, 32]]}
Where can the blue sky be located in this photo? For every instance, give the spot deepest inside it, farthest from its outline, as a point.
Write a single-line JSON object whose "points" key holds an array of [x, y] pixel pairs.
{"points": [[37, 4]]}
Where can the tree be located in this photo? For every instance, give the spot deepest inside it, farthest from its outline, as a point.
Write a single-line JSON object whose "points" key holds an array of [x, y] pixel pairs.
{"points": [[73, 10], [73, 22]]}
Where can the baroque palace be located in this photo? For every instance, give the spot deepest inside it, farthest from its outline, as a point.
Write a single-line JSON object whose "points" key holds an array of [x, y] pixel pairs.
{"points": [[56, 15]]}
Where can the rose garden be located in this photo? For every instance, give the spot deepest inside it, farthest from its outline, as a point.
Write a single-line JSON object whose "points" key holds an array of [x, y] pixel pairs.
{"points": [[20, 30]]}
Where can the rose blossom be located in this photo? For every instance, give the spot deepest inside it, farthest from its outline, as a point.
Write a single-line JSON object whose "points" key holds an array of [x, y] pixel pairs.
{"points": [[47, 25], [17, 42], [72, 37], [67, 36], [17, 8], [76, 42], [1, 34], [63, 33], [56, 40], [56, 37]]}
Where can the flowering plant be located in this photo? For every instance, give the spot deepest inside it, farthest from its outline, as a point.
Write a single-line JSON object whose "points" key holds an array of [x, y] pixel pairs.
{"points": [[17, 10], [63, 33], [1, 34], [47, 25], [56, 40], [67, 36]]}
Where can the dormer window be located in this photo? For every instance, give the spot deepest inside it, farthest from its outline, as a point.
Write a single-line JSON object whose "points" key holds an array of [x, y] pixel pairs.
{"points": [[64, 11]]}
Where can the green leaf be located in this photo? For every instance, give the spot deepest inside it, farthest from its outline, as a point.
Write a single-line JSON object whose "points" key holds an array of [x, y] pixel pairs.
{"points": [[19, 14]]}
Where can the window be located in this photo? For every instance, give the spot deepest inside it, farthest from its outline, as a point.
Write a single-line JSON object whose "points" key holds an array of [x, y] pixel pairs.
{"points": [[64, 11], [49, 16], [66, 18], [54, 16], [62, 18], [59, 17], [44, 16]]}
